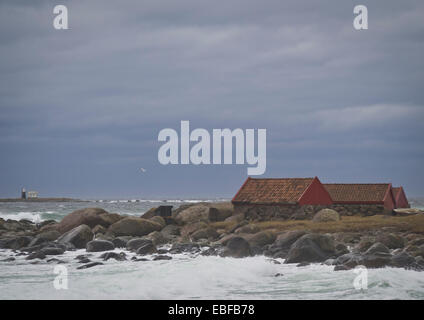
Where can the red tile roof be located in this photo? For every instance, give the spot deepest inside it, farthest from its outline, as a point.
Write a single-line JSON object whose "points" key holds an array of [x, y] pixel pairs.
{"points": [[272, 191], [356, 193]]}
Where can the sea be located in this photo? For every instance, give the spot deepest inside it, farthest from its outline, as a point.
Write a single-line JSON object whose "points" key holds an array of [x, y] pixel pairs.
{"points": [[186, 276]]}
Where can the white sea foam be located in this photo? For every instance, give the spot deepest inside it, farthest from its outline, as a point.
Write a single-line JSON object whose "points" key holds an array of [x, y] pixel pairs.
{"points": [[202, 277], [31, 216]]}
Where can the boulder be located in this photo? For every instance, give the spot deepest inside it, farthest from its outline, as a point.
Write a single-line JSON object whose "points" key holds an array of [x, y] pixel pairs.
{"points": [[99, 245], [78, 237], [113, 255], [283, 242], [402, 260], [90, 265], [364, 244], [157, 238], [147, 248], [121, 242], [189, 229], [15, 243], [99, 229], [391, 240], [136, 243], [189, 247], [236, 218], [311, 248], [261, 239], [326, 215], [52, 251], [162, 257], [171, 231], [133, 226], [89, 216], [237, 247], [45, 236], [159, 220], [193, 214], [205, 233]]}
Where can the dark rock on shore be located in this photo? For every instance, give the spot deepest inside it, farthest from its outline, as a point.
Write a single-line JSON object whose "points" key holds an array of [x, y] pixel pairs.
{"points": [[113, 255], [15, 243], [311, 248], [147, 248], [185, 247], [90, 265], [136, 243], [162, 257], [99, 245], [79, 236], [281, 246], [237, 247]]}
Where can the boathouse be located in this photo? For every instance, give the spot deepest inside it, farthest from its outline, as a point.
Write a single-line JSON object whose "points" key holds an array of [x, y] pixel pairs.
{"points": [[284, 198], [363, 198]]}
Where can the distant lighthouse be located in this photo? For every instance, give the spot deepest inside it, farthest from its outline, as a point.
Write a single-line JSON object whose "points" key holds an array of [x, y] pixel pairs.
{"points": [[23, 194]]}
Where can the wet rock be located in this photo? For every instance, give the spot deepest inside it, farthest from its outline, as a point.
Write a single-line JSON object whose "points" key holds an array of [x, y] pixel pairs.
{"points": [[402, 260], [90, 265], [189, 229], [15, 243], [237, 247], [282, 244], [121, 242], [364, 244], [99, 245], [55, 260], [303, 264], [133, 226], [45, 236], [184, 247], [147, 248], [52, 251], [136, 243], [113, 255], [10, 259], [78, 236], [162, 257], [278, 275], [36, 255], [311, 248], [139, 259]]}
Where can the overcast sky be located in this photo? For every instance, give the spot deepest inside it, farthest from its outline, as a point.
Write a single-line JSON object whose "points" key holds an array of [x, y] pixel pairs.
{"points": [[81, 109]]}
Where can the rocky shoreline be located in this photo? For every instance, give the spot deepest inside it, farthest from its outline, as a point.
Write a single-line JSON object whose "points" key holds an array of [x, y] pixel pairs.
{"points": [[210, 229]]}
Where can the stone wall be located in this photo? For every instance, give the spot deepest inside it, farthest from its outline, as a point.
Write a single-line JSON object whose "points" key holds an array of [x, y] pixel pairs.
{"points": [[296, 212]]}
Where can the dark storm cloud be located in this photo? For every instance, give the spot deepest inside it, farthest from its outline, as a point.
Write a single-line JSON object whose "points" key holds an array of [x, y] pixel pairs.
{"points": [[81, 108]]}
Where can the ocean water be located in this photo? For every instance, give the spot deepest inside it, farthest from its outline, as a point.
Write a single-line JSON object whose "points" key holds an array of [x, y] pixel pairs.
{"points": [[185, 276]]}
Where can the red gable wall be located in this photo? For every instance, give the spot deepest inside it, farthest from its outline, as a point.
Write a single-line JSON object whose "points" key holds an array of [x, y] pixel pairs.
{"points": [[315, 194], [400, 198]]}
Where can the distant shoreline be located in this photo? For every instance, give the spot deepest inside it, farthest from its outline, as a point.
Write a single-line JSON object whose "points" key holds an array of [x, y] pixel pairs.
{"points": [[42, 200]]}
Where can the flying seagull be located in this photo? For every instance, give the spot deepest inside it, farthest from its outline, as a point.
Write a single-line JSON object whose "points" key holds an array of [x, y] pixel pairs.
{"points": [[143, 170]]}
